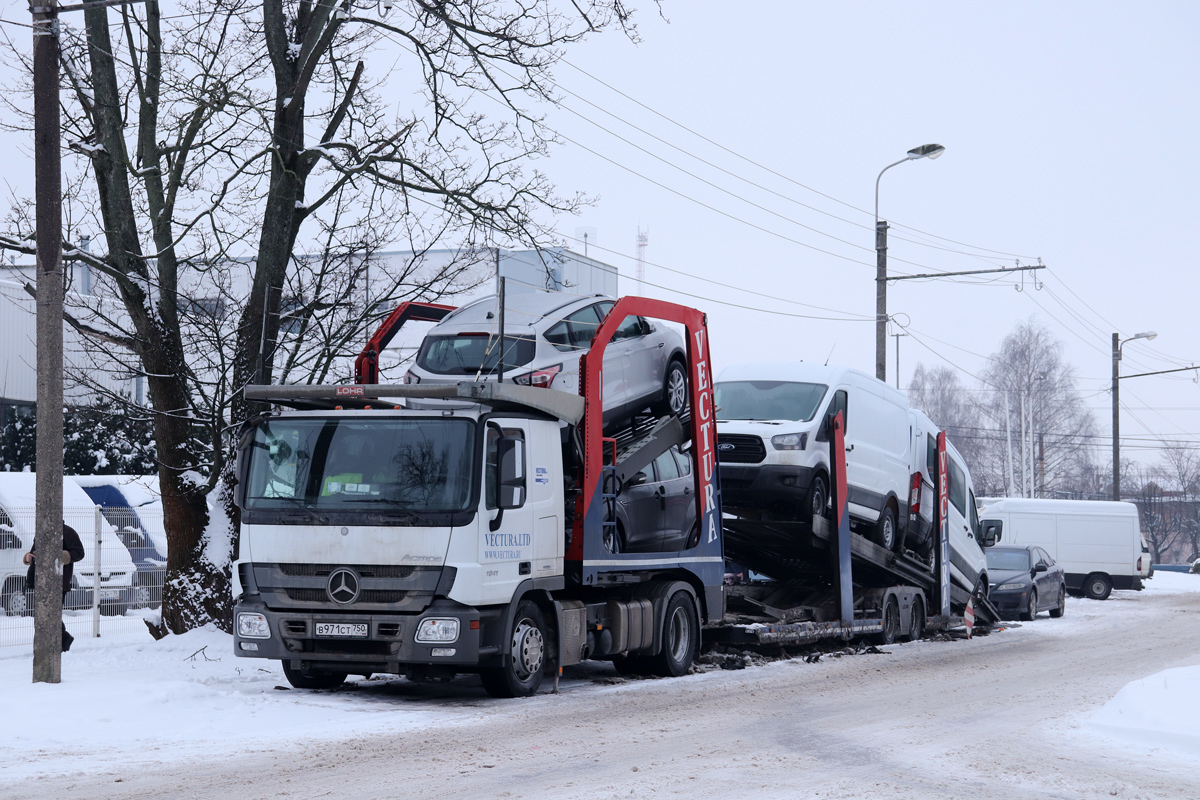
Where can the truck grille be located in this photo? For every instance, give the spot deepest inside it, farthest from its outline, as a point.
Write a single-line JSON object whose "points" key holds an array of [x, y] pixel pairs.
{"points": [[746, 449], [364, 570], [367, 596]]}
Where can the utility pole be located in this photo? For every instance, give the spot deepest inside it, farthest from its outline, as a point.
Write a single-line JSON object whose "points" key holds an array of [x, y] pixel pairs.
{"points": [[898, 335], [881, 317], [47, 631]]}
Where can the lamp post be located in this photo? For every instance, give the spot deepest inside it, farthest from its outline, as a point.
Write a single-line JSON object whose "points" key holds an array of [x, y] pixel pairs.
{"points": [[924, 151], [1117, 344]]}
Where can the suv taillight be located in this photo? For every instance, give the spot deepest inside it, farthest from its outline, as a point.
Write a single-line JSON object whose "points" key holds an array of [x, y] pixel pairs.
{"points": [[409, 377], [914, 495], [541, 378]]}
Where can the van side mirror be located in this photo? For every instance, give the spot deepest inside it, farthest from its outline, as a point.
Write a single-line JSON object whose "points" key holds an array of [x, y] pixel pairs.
{"points": [[510, 458], [992, 532]]}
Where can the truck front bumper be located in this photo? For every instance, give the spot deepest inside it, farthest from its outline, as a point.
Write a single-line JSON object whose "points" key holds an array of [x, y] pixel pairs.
{"points": [[388, 644]]}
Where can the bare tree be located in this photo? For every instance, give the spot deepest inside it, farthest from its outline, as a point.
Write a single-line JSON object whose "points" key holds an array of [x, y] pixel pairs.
{"points": [[226, 128]]}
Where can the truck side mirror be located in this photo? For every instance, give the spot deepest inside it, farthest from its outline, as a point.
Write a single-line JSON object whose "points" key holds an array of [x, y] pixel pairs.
{"points": [[992, 532], [510, 457]]}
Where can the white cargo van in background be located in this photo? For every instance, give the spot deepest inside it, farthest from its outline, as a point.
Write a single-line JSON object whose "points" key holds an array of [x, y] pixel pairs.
{"points": [[1098, 543]]}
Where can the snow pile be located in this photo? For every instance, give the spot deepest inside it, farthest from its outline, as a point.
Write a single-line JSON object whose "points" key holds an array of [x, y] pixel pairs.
{"points": [[1165, 582], [1162, 710]]}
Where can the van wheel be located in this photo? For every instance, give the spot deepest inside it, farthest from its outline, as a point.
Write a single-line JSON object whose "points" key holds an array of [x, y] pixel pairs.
{"points": [[891, 622], [527, 656], [316, 680], [916, 627], [885, 531], [675, 391], [681, 635], [15, 601], [1098, 586], [818, 496]]}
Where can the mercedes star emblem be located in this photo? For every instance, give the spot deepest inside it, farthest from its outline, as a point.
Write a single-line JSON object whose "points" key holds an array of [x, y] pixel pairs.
{"points": [[343, 586]]}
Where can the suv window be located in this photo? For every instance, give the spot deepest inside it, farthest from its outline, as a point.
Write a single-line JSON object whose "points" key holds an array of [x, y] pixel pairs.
{"points": [[685, 463], [631, 328], [466, 354], [576, 331]]}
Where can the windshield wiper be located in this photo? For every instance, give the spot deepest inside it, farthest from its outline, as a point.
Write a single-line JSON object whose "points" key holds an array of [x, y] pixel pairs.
{"points": [[298, 503]]}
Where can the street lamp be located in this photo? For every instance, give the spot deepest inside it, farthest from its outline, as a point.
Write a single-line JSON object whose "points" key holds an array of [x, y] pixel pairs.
{"points": [[1117, 344], [924, 151]]}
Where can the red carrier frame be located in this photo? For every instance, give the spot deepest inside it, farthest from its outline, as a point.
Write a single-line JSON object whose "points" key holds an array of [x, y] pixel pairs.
{"points": [[366, 366], [587, 560]]}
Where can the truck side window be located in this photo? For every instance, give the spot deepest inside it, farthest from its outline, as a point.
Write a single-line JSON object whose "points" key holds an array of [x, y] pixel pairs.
{"points": [[492, 469]]}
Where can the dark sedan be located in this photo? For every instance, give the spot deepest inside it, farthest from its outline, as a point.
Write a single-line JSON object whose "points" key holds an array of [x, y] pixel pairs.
{"points": [[1024, 581], [655, 512]]}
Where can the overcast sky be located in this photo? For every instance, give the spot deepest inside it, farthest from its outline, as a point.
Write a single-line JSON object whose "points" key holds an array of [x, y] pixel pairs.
{"points": [[1070, 131]]}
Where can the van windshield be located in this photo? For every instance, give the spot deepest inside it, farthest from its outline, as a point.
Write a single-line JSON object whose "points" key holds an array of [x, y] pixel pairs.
{"points": [[769, 400]]}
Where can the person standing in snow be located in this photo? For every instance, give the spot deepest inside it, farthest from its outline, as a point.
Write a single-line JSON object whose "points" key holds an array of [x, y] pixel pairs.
{"points": [[72, 551]]}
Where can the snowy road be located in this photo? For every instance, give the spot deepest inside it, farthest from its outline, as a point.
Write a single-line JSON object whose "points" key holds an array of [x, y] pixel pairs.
{"points": [[1010, 715]]}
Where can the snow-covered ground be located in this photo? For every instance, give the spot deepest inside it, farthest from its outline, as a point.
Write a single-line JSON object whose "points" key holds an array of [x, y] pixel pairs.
{"points": [[129, 704]]}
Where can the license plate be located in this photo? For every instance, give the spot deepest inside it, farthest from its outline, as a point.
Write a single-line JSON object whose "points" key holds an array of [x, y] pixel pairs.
{"points": [[110, 594], [342, 629]]}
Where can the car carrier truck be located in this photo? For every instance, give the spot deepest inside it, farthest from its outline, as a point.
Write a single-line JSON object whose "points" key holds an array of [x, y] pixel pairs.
{"points": [[470, 538]]}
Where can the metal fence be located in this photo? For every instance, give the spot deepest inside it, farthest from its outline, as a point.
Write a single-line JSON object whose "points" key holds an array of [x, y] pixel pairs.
{"points": [[119, 579]]}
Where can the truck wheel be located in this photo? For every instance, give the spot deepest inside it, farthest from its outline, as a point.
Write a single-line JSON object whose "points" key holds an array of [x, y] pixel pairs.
{"points": [[885, 531], [316, 680], [681, 636], [527, 662], [1031, 612], [818, 497], [1098, 586], [1061, 608], [891, 622], [674, 396], [916, 627]]}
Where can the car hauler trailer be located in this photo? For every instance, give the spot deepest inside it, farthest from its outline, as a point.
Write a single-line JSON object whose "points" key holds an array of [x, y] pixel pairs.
{"points": [[428, 542]]}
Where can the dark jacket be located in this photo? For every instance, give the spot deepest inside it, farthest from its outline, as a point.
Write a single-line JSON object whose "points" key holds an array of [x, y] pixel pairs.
{"points": [[73, 546]]}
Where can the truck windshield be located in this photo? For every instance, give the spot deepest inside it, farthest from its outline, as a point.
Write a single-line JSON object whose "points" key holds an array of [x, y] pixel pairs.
{"points": [[373, 465], [769, 400]]}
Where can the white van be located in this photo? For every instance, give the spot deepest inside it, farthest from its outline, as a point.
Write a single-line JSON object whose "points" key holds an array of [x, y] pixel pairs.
{"points": [[17, 524], [1098, 543], [968, 563], [773, 451]]}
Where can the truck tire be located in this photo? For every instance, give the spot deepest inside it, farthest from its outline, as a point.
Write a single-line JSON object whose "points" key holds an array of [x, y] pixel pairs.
{"points": [[675, 394], [1098, 586], [316, 680], [885, 534], [916, 624], [891, 622], [522, 675], [680, 639], [1029, 613]]}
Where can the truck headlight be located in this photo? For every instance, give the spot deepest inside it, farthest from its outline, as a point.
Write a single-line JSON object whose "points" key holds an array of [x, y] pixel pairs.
{"points": [[790, 441], [1010, 587], [437, 630], [253, 626]]}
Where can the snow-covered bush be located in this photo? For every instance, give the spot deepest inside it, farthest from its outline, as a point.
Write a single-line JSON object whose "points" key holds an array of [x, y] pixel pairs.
{"points": [[1195, 570], [97, 440]]}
